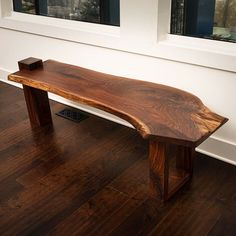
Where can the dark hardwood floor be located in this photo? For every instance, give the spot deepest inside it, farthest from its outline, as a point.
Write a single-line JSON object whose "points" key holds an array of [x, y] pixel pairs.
{"points": [[91, 178]]}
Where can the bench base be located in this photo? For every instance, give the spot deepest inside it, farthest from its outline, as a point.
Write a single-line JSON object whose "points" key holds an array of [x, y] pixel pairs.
{"points": [[171, 166]]}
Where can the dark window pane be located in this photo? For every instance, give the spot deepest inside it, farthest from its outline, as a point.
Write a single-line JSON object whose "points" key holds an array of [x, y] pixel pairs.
{"points": [[27, 6], [177, 17], [225, 19], [212, 19], [95, 11]]}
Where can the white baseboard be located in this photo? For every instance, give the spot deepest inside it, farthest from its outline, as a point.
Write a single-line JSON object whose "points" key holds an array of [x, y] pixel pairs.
{"points": [[219, 149], [214, 147]]}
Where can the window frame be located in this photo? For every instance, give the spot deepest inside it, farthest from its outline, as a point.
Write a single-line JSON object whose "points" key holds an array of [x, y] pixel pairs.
{"points": [[143, 30]]}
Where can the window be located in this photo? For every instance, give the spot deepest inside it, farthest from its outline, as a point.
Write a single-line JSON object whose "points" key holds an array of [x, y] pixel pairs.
{"points": [[95, 11], [212, 19]]}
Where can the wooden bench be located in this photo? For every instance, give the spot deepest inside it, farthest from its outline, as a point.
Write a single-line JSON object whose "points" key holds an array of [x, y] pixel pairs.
{"points": [[173, 121]]}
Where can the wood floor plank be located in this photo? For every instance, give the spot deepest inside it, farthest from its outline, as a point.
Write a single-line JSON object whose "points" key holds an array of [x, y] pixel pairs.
{"points": [[93, 212], [136, 189]]}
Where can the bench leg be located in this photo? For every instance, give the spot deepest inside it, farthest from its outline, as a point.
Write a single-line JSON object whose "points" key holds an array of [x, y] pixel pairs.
{"points": [[185, 159], [38, 106], [158, 164], [165, 179]]}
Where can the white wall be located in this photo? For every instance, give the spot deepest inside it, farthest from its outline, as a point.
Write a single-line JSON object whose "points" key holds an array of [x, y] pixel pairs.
{"points": [[216, 88]]}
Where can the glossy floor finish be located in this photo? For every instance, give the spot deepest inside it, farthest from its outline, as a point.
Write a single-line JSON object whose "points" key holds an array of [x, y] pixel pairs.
{"points": [[91, 178]]}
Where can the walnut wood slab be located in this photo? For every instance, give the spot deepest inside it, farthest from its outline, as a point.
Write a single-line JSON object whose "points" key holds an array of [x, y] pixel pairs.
{"points": [[156, 111], [174, 121]]}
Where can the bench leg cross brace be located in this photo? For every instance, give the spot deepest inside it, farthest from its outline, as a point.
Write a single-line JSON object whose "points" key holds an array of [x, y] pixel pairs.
{"points": [[165, 179]]}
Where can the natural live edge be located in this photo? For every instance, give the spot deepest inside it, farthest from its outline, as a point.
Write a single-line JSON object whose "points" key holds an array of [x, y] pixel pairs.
{"points": [[173, 115]]}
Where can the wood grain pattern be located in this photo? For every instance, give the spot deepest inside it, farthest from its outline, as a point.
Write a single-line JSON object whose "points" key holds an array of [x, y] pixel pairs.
{"points": [[156, 111]]}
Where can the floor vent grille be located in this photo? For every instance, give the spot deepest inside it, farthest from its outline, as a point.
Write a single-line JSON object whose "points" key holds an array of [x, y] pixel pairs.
{"points": [[72, 114]]}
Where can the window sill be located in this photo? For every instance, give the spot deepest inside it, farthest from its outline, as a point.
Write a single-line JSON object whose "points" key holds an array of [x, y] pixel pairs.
{"points": [[76, 31], [204, 52]]}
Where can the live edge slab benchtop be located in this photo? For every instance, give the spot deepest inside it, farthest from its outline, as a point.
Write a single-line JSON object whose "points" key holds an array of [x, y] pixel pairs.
{"points": [[174, 121]]}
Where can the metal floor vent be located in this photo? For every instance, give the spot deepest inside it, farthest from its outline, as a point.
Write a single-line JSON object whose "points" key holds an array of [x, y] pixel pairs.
{"points": [[72, 114]]}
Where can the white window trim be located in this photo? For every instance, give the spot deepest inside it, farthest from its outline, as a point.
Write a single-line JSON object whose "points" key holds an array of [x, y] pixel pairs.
{"points": [[144, 29]]}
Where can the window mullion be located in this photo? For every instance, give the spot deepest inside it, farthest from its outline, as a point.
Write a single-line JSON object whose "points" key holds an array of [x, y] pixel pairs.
{"points": [[17, 5], [41, 7], [109, 12]]}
